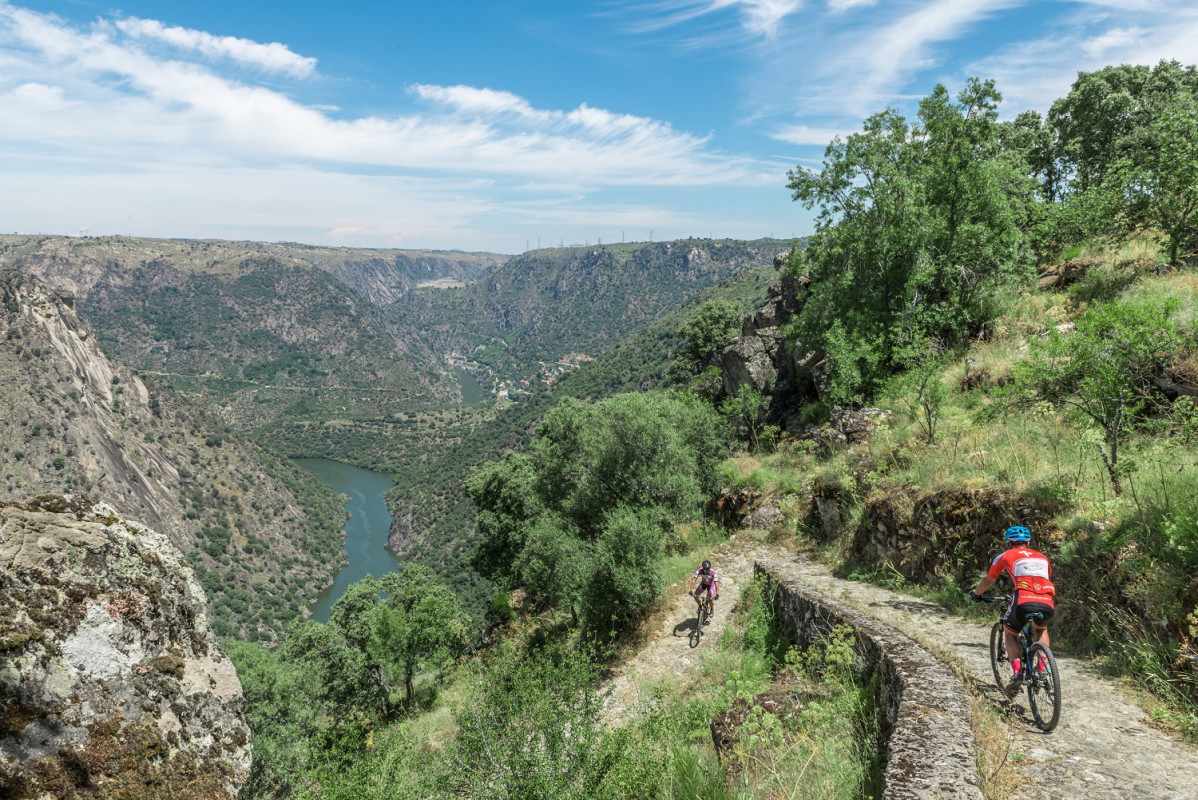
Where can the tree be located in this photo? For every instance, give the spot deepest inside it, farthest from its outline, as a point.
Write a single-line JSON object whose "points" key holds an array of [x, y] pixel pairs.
{"points": [[1162, 187], [1105, 118], [706, 330], [658, 449], [505, 494], [917, 225], [553, 564], [1104, 371], [746, 411], [626, 570], [418, 620]]}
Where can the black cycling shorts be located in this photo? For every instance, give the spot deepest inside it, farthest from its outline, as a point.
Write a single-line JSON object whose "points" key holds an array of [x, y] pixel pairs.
{"points": [[1017, 616]]}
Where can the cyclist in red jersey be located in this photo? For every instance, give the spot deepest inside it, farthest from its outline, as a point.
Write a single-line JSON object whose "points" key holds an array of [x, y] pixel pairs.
{"points": [[1031, 574]]}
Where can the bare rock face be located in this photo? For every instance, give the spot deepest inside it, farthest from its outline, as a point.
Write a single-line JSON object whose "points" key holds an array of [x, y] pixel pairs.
{"points": [[760, 358], [113, 683]]}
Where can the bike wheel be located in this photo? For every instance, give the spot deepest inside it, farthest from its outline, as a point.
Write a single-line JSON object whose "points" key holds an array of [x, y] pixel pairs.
{"points": [[700, 620], [1044, 688], [998, 656]]}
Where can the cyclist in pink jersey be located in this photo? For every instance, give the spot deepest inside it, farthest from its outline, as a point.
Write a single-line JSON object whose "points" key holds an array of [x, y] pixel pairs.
{"points": [[1031, 574], [707, 581]]}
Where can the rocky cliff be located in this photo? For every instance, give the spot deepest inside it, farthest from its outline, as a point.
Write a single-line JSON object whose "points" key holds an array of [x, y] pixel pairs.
{"points": [[113, 683], [72, 420]]}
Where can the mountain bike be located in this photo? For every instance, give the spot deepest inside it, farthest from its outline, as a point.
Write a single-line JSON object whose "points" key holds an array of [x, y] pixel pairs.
{"points": [[1043, 685], [703, 600]]}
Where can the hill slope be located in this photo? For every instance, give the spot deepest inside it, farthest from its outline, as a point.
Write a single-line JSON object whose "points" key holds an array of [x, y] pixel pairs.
{"points": [[544, 305], [254, 331], [261, 534]]}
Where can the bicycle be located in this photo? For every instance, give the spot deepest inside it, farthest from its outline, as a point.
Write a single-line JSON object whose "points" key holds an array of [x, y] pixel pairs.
{"points": [[704, 614], [1043, 685]]}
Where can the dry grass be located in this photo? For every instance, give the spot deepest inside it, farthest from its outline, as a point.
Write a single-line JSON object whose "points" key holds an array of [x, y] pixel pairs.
{"points": [[994, 738]]}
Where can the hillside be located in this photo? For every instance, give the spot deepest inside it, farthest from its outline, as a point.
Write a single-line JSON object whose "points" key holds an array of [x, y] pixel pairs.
{"points": [[433, 520], [542, 306], [262, 535], [254, 332]]}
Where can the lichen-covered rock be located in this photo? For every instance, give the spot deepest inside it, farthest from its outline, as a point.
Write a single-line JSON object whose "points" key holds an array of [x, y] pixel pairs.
{"points": [[113, 684]]}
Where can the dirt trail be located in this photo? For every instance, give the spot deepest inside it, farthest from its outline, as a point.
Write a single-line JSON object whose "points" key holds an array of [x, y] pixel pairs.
{"points": [[1104, 746], [667, 655]]}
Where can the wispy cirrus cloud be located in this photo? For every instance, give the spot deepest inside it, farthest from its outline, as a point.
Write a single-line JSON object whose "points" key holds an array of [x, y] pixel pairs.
{"points": [[754, 18], [1091, 35], [178, 103], [273, 57]]}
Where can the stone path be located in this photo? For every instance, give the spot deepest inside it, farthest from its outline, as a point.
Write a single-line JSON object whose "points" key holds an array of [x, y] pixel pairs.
{"points": [[1103, 747]]}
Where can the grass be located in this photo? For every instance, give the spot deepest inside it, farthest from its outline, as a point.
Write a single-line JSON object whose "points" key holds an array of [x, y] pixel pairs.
{"points": [[825, 749]]}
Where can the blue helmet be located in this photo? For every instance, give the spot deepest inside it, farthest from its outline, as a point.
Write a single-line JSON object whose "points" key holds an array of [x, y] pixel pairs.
{"points": [[1018, 533]]}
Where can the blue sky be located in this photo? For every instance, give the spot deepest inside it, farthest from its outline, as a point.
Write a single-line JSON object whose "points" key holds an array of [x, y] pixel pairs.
{"points": [[494, 125]]}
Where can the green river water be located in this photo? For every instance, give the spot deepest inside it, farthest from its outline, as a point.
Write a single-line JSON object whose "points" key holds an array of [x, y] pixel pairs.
{"points": [[369, 520]]}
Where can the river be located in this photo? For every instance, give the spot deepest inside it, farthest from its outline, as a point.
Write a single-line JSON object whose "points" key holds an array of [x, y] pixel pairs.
{"points": [[472, 390], [365, 532]]}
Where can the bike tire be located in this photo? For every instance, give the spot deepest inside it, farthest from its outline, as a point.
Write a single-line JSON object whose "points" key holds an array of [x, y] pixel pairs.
{"points": [[700, 619], [1044, 688], [998, 656]]}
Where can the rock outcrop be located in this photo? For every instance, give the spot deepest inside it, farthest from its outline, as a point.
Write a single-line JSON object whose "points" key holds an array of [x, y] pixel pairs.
{"points": [[113, 683], [760, 358]]}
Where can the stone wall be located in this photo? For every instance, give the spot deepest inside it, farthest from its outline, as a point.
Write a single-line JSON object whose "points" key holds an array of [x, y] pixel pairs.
{"points": [[926, 725]]}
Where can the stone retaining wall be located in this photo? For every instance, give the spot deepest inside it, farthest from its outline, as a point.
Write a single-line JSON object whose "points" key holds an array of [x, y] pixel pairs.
{"points": [[926, 718]]}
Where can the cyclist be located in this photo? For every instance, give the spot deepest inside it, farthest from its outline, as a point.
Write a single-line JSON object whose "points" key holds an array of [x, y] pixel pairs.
{"points": [[707, 581], [1031, 573]]}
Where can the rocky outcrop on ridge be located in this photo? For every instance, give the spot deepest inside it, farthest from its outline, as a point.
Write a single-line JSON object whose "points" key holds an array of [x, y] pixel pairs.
{"points": [[760, 357], [112, 681]]}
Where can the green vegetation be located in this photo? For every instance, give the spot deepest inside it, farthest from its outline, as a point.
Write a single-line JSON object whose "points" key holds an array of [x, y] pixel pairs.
{"points": [[525, 720], [581, 521], [918, 226], [1022, 437], [542, 306]]}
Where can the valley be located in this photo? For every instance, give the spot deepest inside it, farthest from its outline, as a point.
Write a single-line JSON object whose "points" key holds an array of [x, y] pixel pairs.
{"points": [[434, 514]]}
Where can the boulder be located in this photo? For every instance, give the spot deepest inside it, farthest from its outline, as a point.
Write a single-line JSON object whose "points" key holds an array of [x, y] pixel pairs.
{"points": [[857, 426], [750, 360], [763, 518], [113, 682]]}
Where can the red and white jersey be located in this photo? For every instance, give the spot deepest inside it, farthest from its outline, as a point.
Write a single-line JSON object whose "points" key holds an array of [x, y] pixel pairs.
{"points": [[1030, 572], [707, 580]]}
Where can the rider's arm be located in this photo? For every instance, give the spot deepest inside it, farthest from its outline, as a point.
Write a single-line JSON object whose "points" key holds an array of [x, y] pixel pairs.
{"points": [[984, 584]]}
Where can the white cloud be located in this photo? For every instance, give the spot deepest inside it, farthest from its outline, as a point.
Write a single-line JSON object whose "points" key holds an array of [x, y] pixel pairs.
{"points": [[124, 99], [845, 5], [101, 126], [273, 57], [808, 135], [1034, 73], [758, 18], [884, 60]]}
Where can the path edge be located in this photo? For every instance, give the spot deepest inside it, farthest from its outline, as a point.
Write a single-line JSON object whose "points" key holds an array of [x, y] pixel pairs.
{"points": [[926, 730]]}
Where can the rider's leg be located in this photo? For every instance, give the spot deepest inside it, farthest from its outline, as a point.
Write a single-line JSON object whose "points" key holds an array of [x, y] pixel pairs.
{"points": [[1013, 652], [1042, 635]]}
